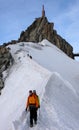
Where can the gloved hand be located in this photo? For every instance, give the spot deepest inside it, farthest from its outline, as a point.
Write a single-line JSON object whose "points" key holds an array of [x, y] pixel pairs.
{"points": [[26, 109], [39, 106], [36, 108]]}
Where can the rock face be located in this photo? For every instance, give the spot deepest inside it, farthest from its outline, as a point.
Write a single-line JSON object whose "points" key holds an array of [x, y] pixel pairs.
{"points": [[42, 29], [5, 61]]}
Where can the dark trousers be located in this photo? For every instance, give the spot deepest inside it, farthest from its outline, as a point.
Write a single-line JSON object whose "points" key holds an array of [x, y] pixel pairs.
{"points": [[33, 114]]}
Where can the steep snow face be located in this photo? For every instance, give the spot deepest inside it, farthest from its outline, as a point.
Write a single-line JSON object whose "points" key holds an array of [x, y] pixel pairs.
{"points": [[53, 59], [54, 75], [25, 74], [61, 102]]}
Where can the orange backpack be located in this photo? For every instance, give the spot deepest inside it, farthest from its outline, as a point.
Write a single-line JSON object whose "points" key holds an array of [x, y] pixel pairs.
{"points": [[32, 100]]}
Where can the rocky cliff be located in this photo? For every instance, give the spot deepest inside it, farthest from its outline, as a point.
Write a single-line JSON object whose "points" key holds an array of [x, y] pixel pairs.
{"points": [[42, 29], [5, 61]]}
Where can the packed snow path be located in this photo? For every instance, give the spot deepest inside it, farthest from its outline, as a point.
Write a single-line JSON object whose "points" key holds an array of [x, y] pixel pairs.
{"points": [[59, 98], [55, 95]]}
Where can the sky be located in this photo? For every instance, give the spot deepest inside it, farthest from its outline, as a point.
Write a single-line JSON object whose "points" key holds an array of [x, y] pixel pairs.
{"points": [[56, 81], [17, 16]]}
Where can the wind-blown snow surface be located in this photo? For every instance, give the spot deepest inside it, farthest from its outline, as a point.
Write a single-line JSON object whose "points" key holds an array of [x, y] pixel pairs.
{"points": [[54, 75]]}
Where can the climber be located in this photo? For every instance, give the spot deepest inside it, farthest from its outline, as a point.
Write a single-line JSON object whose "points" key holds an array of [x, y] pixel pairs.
{"points": [[32, 105]]}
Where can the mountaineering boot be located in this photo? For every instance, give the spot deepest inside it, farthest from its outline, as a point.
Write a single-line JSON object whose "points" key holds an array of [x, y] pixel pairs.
{"points": [[31, 125], [35, 122]]}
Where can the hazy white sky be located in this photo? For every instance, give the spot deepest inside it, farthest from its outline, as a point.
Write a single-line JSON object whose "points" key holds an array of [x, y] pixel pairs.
{"points": [[16, 16]]}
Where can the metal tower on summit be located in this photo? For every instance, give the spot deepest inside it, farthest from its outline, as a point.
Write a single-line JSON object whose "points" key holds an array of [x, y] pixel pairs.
{"points": [[43, 11]]}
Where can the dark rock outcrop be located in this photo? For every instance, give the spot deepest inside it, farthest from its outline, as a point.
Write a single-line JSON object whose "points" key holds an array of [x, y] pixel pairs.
{"points": [[42, 29], [5, 61]]}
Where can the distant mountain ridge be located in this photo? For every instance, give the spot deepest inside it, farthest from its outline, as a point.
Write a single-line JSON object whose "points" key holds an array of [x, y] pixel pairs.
{"points": [[41, 29]]}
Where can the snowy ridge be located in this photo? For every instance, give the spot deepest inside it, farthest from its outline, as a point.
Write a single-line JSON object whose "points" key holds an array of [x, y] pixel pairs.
{"points": [[55, 77], [17, 84], [56, 89], [61, 104]]}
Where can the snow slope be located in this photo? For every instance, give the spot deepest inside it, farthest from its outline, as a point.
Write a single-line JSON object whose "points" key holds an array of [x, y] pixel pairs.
{"points": [[54, 75]]}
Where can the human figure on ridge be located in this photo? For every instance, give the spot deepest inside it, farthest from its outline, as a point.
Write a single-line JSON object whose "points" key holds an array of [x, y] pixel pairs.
{"points": [[34, 92], [32, 105]]}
